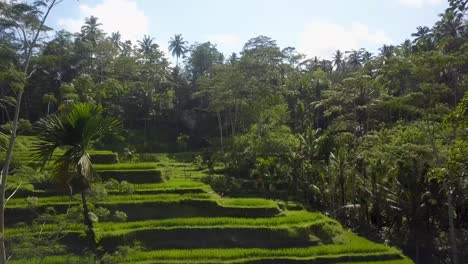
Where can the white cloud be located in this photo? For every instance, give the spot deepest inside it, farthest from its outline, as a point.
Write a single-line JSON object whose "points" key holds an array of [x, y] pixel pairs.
{"points": [[322, 38], [225, 39], [420, 3], [114, 15]]}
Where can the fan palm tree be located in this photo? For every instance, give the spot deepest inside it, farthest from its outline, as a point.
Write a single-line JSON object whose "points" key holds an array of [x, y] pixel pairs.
{"points": [[75, 131], [90, 30], [178, 47]]}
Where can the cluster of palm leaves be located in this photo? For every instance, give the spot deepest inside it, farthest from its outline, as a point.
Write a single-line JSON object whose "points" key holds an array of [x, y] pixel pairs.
{"points": [[73, 131]]}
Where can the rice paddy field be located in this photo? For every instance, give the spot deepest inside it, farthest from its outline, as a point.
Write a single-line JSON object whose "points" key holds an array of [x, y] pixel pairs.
{"points": [[174, 217]]}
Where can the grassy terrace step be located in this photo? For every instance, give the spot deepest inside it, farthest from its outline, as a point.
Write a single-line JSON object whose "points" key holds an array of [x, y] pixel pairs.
{"points": [[353, 249], [297, 228], [168, 187], [173, 186], [286, 218], [292, 229], [131, 172], [133, 176], [97, 157], [143, 207], [370, 258], [125, 166], [351, 245]]}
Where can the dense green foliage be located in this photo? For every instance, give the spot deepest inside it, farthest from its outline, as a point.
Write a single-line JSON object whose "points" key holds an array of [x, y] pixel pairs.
{"points": [[377, 141]]}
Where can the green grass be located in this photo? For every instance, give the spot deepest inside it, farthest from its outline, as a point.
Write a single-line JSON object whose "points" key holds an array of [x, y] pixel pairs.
{"points": [[173, 186], [353, 245], [125, 166], [114, 199], [247, 203], [283, 220], [154, 198]]}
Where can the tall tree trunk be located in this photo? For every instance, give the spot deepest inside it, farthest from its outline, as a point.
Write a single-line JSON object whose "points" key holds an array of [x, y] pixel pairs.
{"points": [[11, 144], [88, 224], [451, 213], [220, 126], [342, 189]]}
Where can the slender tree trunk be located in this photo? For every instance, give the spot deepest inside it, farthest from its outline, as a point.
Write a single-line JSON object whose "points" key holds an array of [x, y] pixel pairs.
{"points": [[342, 189], [88, 224], [220, 126], [9, 153], [451, 213]]}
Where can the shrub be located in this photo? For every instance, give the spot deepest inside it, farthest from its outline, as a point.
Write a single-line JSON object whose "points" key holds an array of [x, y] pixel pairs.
{"points": [[102, 213], [119, 216]]}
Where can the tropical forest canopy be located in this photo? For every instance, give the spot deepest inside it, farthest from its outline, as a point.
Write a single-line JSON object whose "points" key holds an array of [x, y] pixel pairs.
{"points": [[378, 141]]}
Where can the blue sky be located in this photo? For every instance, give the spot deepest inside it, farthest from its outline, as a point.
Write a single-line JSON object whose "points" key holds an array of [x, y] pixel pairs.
{"points": [[314, 27]]}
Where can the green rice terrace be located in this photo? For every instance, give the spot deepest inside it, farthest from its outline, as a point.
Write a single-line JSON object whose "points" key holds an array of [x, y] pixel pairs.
{"points": [[172, 216]]}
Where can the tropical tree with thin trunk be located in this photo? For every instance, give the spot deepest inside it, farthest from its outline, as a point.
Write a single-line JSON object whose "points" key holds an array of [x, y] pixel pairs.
{"points": [[423, 37], [338, 60], [90, 30], [146, 45], [178, 47], [30, 21], [451, 25], [75, 131]]}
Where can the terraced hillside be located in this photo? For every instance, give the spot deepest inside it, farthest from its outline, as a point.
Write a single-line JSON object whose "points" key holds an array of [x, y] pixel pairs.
{"points": [[176, 218]]}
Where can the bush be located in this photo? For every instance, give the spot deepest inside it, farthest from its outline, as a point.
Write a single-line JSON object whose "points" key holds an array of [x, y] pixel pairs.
{"points": [[119, 216], [223, 184]]}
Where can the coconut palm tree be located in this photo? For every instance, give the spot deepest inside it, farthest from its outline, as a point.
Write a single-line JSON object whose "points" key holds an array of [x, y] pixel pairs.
{"points": [[451, 25], [178, 47], [387, 51], [116, 39], [146, 45], [90, 30], [338, 60], [354, 58], [423, 38], [74, 131], [422, 34]]}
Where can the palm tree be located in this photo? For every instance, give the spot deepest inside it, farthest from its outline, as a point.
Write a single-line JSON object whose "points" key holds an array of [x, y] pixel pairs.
{"points": [[90, 30], [338, 59], [75, 131], [354, 58], [146, 45], [366, 56], [116, 39], [387, 51], [178, 47], [422, 33], [450, 25], [405, 48]]}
